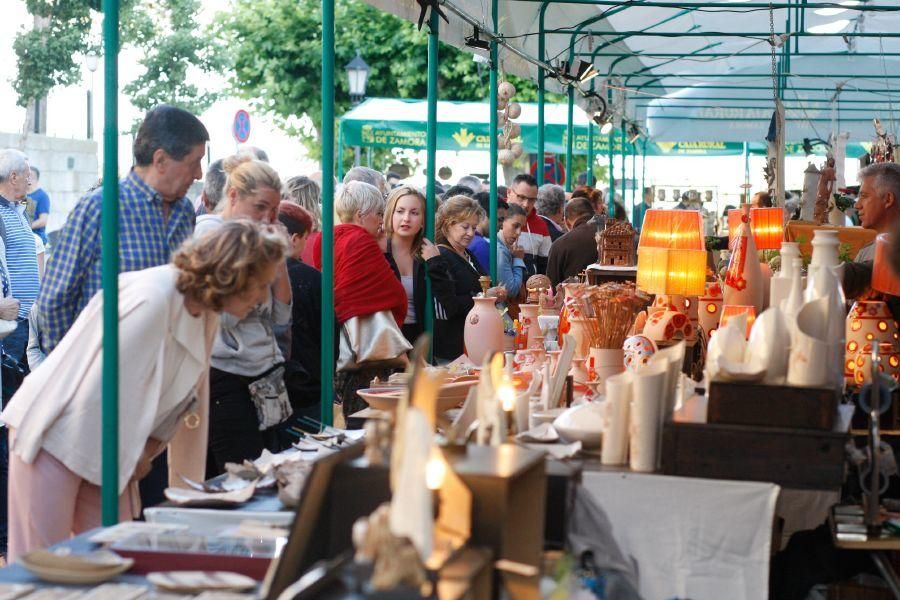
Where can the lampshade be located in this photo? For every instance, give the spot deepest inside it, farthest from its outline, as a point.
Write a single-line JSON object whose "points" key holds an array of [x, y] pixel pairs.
{"points": [[733, 310], [674, 272], [884, 279], [767, 225], [673, 229]]}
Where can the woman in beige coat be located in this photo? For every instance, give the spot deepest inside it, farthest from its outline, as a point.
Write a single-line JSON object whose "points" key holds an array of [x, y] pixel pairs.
{"points": [[168, 318]]}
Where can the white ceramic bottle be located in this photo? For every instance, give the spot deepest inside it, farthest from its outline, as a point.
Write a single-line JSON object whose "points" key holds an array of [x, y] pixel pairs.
{"points": [[783, 279]]}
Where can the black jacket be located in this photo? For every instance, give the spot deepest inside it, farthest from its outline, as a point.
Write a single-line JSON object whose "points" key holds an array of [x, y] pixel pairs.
{"points": [[442, 290], [451, 310], [571, 253], [301, 344]]}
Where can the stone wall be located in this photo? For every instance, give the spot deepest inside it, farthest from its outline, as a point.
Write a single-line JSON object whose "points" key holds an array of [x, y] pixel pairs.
{"points": [[68, 168]]}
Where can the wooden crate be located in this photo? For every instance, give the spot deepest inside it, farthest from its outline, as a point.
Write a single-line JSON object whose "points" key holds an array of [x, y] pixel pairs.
{"points": [[772, 405], [793, 458]]}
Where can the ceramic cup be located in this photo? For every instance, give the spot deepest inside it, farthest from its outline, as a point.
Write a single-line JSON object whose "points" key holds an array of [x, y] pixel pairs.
{"points": [[615, 425], [644, 431], [607, 362]]}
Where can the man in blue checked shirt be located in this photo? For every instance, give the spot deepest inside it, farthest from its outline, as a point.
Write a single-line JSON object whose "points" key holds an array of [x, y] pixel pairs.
{"points": [[155, 217]]}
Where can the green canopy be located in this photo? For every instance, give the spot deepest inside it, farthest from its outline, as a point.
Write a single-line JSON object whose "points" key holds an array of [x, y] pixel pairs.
{"points": [[395, 123]]}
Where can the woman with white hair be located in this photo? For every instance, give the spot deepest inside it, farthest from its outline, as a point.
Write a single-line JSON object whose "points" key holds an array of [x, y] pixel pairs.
{"points": [[364, 282]]}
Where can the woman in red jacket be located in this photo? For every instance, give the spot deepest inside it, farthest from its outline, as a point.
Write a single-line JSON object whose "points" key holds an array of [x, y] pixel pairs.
{"points": [[364, 282]]}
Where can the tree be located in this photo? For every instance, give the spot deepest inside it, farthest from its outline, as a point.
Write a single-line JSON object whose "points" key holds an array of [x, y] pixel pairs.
{"points": [[164, 30], [276, 52]]}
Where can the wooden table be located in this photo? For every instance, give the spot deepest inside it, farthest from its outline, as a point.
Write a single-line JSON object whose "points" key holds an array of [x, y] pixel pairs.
{"points": [[875, 547], [802, 232]]}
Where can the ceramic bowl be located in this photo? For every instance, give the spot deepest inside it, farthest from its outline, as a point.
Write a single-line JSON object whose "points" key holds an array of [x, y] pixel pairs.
{"points": [[546, 416], [583, 423], [451, 395]]}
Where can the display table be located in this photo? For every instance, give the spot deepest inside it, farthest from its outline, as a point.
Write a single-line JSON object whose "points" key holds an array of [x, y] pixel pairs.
{"points": [[803, 231], [690, 538]]}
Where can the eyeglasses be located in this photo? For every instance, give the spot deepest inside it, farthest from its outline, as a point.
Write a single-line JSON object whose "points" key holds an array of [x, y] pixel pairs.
{"points": [[523, 197]]}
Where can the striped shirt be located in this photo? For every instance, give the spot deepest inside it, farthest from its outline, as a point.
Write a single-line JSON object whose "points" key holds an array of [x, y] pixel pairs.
{"points": [[146, 239], [21, 257]]}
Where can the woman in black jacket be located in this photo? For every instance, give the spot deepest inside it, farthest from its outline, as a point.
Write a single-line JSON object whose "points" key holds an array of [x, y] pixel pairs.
{"points": [[413, 256], [455, 227]]}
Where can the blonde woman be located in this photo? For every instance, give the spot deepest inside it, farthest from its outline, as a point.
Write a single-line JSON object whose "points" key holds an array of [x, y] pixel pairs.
{"points": [[168, 318], [246, 354], [457, 220], [414, 256], [306, 193]]}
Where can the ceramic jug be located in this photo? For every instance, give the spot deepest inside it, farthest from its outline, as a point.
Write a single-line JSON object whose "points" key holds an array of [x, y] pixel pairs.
{"points": [[528, 317], [483, 332]]}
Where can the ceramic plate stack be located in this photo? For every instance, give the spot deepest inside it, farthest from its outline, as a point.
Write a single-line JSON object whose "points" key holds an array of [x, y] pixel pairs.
{"points": [[195, 582], [83, 569], [451, 395]]}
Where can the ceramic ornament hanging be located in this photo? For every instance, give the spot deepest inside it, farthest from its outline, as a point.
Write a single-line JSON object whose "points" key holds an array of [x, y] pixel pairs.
{"points": [[517, 149], [506, 90], [501, 104], [501, 118], [506, 157], [514, 110], [743, 283]]}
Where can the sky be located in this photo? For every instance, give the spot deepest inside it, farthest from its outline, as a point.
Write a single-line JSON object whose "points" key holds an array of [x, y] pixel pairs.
{"points": [[67, 107]]}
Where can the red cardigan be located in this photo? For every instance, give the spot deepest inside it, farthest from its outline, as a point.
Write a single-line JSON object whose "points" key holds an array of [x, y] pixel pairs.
{"points": [[364, 282]]}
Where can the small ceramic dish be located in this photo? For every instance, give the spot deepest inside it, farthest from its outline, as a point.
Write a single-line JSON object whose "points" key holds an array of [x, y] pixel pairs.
{"points": [[75, 569], [195, 582]]}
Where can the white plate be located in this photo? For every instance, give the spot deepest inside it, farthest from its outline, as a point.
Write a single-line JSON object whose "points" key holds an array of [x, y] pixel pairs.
{"points": [[188, 497], [194, 582], [71, 569]]}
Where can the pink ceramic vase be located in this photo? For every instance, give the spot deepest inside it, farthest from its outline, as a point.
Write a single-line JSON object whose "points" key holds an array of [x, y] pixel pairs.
{"points": [[528, 317], [484, 330]]}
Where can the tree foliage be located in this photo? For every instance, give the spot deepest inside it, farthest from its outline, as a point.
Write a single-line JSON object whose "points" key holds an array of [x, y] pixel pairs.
{"points": [[164, 31], [277, 58]]}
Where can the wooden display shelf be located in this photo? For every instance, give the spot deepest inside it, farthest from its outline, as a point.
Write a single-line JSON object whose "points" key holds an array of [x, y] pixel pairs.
{"points": [[793, 458], [786, 406]]}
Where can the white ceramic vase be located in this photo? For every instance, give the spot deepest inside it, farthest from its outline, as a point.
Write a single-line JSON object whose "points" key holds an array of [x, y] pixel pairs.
{"points": [[607, 362], [645, 434], [615, 425]]}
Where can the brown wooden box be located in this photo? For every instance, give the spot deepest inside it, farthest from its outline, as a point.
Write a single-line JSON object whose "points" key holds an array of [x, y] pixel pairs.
{"points": [[793, 458], [772, 405], [509, 487]]}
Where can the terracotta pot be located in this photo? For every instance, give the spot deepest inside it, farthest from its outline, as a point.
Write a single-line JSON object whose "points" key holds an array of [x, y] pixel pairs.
{"points": [[484, 330]]}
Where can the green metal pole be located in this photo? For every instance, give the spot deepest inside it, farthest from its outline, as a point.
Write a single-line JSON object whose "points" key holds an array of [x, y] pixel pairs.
{"points": [[431, 152], [635, 192], [542, 84], [612, 171], [109, 259], [643, 181], [746, 171], [327, 358], [570, 140], [340, 152], [589, 159], [624, 182], [494, 142]]}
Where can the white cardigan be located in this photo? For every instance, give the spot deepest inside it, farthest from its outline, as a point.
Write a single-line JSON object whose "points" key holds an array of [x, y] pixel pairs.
{"points": [[163, 366]]}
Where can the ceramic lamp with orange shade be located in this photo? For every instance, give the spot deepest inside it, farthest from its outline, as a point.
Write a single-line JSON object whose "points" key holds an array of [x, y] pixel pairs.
{"points": [[672, 229], [672, 272], [766, 224], [732, 310]]}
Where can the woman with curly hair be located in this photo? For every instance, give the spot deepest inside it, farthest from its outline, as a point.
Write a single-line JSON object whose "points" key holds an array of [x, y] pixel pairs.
{"points": [[457, 219], [168, 319]]}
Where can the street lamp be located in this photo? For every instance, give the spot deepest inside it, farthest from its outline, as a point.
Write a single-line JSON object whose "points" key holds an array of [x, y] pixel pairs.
{"points": [[358, 77], [90, 61]]}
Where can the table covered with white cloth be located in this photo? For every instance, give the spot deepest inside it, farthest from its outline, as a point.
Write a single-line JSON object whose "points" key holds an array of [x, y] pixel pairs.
{"points": [[690, 538]]}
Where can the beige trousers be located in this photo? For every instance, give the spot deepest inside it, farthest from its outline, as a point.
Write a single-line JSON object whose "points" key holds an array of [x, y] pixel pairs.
{"points": [[48, 503]]}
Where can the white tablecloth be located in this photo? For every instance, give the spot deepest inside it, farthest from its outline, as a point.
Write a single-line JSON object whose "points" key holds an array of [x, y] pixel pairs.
{"points": [[691, 538]]}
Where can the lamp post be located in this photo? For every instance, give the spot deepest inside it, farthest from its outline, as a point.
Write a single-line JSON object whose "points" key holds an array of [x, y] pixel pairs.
{"points": [[357, 78], [90, 61]]}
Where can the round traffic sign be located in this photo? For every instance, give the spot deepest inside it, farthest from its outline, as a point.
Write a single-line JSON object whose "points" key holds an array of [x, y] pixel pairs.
{"points": [[240, 128]]}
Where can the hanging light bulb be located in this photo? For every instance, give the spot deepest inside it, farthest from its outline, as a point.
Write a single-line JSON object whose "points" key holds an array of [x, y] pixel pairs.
{"points": [[607, 127]]}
